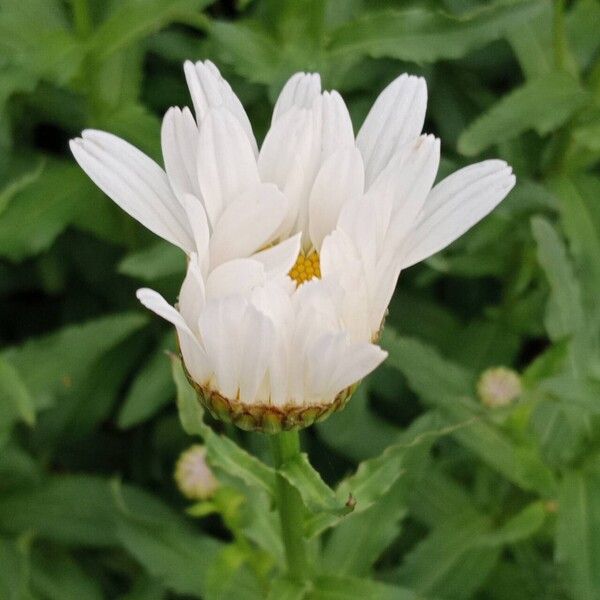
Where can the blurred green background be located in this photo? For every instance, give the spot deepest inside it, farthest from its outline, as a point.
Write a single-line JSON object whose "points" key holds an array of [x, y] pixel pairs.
{"points": [[506, 504]]}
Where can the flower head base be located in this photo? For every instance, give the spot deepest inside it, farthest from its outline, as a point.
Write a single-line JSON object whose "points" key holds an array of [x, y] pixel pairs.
{"points": [[294, 249], [194, 477], [499, 387]]}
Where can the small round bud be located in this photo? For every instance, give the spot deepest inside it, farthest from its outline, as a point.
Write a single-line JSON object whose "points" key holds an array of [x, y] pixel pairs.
{"points": [[498, 387], [194, 477]]}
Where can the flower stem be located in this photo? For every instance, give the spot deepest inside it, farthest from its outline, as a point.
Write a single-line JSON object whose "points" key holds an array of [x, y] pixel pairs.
{"points": [[286, 445]]}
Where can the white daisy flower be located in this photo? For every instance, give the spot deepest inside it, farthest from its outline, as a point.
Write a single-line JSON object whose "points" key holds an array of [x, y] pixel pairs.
{"points": [[294, 249]]}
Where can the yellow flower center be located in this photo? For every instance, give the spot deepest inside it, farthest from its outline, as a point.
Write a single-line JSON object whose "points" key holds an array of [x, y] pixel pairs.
{"points": [[307, 266]]}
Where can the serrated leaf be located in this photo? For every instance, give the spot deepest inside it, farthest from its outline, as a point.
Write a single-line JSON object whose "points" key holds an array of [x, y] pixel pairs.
{"points": [[565, 313], [15, 399], [315, 493], [424, 35], [542, 104]]}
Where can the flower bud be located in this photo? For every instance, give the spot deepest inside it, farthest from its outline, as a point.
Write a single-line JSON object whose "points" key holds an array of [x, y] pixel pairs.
{"points": [[194, 477], [498, 387]]}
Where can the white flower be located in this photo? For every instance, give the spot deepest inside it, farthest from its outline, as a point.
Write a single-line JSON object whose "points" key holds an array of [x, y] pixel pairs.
{"points": [[294, 250]]}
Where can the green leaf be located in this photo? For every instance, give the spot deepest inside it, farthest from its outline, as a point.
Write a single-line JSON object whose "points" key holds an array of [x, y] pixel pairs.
{"points": [[288, 589], [56, 576], [565, 314], [449, 562], [356, 432], [353, 588], [53, 364], [448, 387], [358, 541], [222, 452], [578, 533], [580, 218], [70, 509], [315, 493], [133, 19], [423, 35], [542, 104], [159, 260], [151, 389], [518, 528], [248, 49], [15, 399], [15, 571], [40, 211]]}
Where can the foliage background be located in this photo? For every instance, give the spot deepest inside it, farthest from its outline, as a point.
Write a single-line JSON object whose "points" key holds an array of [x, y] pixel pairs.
{"points": [[499, 504]]}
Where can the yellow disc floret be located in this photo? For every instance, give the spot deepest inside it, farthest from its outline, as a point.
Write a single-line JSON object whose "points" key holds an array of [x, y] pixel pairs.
{"points": [[307, 266]]}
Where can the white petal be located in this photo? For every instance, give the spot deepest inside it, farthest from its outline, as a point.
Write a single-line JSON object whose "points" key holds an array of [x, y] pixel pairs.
{"points": [[237, 276], [279, 259], [300, 90], [359, 361], [135, 182], [396, 117], [179, 140], [340, 180], [208, 90], [340, 263], [194, 356], [248, 223], [199, 225], [226, 163], [409, 177], [455, 205], [257, 348], [220, 326], [193, 294], [335, 123], [286, 159]]}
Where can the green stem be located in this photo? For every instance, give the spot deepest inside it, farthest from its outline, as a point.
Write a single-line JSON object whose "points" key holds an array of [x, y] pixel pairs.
{"points": [[286, 445], [558, 27]]}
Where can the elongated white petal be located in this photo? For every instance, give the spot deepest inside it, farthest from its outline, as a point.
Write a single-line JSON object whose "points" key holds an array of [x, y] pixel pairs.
{"points": [[396, 117], [237, 276], [455, 205], [194, 356], [209, 90], [287, 159], [409, 177], [199, 225], [257, 347], [279, 259], [300, 90], [359, 361], [192, 296], [226, 163], [135, 182], [179, 140], [341, 264], [334, 124], [340, 180], [248, 224], [220, 326]]}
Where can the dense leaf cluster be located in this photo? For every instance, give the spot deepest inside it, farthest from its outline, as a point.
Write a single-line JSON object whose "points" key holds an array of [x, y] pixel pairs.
{"points": [[423, 492]]}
